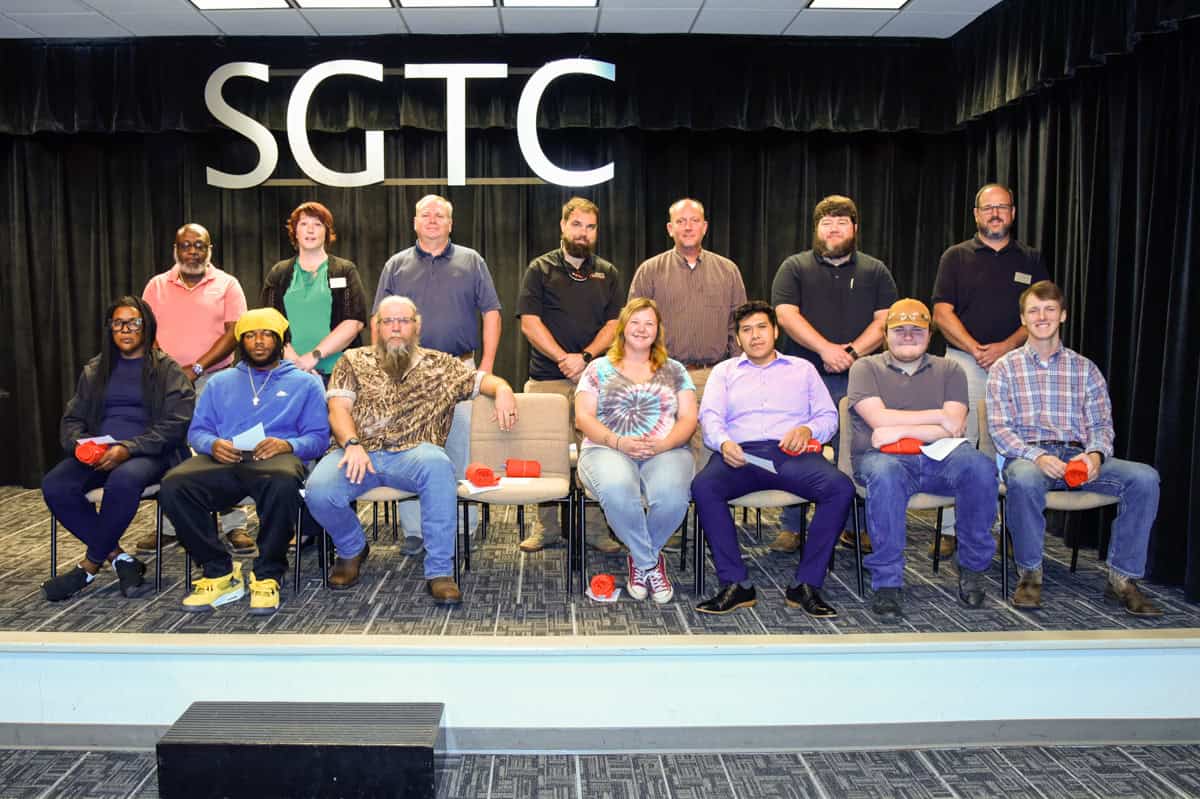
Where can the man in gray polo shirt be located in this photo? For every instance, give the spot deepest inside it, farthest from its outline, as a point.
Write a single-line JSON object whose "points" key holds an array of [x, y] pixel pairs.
{"points": [[900, 400], [452, 286]]}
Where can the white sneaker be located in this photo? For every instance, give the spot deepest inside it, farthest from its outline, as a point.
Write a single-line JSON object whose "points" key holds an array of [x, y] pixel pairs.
{"points": [[636, 584], [658, 582]]}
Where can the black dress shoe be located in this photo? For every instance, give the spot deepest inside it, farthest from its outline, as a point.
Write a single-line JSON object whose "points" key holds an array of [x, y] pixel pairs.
{"points": [[886, 604], [731, 597], [806, 597]]}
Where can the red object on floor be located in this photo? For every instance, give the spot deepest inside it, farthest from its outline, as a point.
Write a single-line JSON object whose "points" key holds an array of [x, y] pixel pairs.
{"points": [[1076, 474], [481, 476], [812, 445], [90, 452], [905, 446], [602, 585], [518, 468]]}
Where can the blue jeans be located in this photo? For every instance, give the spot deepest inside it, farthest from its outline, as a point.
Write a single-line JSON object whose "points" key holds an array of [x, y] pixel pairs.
{"points": [[1134, 484], [837, 384], [458, 447], [965, 474], [425, 470], [620, 482]]}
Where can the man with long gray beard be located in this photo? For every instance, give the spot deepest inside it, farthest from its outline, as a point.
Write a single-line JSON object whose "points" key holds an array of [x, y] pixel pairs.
{"points": [[390, 409]]}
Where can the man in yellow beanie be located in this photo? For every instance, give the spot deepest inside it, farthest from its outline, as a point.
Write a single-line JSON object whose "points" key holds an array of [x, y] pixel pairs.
{"points": [[253, 428]]}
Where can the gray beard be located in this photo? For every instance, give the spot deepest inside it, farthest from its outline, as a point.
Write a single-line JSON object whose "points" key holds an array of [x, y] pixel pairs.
{"points": [[999, 235], [396, 359]]}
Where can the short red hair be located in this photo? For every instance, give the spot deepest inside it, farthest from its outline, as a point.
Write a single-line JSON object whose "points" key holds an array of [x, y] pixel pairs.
{"points": [[314, 209]]}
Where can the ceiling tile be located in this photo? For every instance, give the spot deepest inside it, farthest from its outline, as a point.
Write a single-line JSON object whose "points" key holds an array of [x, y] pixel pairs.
{"points": [[932, 26], [363, 22], [42, 6], [261, 23], [152, 6], [176, 24], [549, 20], [740, 22], [70, 26], [452, 20], [743, 6], [839, 23], [953, 6], [11, 30], [649, 5], [646, 20]]}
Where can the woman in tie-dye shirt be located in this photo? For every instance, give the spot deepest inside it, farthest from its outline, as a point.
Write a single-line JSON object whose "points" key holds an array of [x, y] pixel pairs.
{"points": [[637, 411]]}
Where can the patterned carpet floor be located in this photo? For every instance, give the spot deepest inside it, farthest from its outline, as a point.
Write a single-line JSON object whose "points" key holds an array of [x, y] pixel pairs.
{"points": [[1045, 772], [509, 593]]}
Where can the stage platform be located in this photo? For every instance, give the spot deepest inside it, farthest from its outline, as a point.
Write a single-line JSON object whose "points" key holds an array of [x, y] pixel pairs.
{"points": [[523, 667]]}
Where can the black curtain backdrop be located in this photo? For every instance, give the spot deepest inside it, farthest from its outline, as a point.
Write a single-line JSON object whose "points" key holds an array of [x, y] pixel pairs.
{"points": [[103, 149]]}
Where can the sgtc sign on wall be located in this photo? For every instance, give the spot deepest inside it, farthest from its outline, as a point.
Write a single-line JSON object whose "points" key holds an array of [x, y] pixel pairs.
{"points": [[455, 75]]}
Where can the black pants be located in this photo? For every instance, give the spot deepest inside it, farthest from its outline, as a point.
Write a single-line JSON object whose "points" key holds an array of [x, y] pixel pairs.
{"points": [[200, 485]]}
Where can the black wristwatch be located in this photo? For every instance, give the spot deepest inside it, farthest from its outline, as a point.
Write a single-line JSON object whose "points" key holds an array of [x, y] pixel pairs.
{"points": [[850, 349], [351, 442], [587, 356]]}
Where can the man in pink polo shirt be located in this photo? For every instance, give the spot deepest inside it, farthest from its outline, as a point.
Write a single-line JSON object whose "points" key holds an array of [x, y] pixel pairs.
{"points": [[197, 306]]}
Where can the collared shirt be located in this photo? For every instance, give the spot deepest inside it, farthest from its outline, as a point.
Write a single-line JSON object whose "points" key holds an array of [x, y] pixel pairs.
{"points": [[1063, 398], [192, 318], [398, 416], [573, 309], [744, 402], [451, 290], [984, 285], [935, 382], [697, 304], [838, 300]]}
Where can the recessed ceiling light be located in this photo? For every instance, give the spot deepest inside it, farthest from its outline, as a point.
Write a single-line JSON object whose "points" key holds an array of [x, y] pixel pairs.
{"points": [[344, 3], [230, 5], [550, 3], [447, 3], [878, 5]]}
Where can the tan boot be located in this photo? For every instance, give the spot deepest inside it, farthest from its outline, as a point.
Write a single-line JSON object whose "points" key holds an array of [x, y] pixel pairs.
{"points": [[345, 570], [1029, 590], [949, 544], [1123, 591], [787, 541], [240, 542], [445, 591], [846, 539]]}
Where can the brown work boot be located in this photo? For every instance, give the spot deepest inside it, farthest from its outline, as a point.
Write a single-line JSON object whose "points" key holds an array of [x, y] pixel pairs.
{"points": [[787, 541], [949, 544], [445, 591], [240, 542], [345, 570], [846, 539], [145, 544], [1123, 591], [1029, 590]]}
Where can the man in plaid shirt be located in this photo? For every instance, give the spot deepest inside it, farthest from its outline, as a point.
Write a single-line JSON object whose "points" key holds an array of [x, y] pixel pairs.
{"points": [[1048, 406]]}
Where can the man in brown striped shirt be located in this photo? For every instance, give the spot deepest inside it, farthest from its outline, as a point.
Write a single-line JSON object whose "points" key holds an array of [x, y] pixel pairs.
{"points": [[696, 291]]}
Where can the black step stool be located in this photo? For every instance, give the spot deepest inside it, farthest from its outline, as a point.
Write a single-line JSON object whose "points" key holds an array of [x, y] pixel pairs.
{"points": [[293, 749]]}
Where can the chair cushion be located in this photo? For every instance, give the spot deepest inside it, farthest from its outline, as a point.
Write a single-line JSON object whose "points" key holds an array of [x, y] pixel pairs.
{"points": [[96, 494], [537, 489], [1078, 500], [385, 494], [767, 499]]}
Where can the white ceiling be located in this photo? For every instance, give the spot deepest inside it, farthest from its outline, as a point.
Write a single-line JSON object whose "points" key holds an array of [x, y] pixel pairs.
{"points": [[94, 19]]}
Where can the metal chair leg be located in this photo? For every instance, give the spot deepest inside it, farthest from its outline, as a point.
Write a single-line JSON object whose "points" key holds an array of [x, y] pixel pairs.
{"points": [[299, 549], [581, 511], [375, 520], [855, 504], [698, 559], [395, 520], [485, 516], [1003, 552], [683, 535], [758, 525], [937, 542], [520, 522], [53, 546], [466, 506], [158, 514]]}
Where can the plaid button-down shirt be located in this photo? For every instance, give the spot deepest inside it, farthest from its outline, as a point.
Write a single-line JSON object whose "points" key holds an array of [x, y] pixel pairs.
{"points": [[1064, 398]]}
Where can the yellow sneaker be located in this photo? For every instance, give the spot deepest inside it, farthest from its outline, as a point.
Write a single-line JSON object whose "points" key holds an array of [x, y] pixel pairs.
{"points": [[264, 596], [211, 592]]}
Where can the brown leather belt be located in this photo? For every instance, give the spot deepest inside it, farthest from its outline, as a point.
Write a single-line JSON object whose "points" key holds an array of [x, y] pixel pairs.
{"points": [[700, 365]]}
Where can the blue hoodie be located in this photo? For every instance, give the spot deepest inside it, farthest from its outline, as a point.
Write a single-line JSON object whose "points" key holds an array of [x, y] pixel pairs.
{"points": [[291, 406]]}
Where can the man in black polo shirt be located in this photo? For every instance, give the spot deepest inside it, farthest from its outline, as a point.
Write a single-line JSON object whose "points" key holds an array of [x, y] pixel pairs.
{"points": [[975, 301], [568, 307], [831, 301]]}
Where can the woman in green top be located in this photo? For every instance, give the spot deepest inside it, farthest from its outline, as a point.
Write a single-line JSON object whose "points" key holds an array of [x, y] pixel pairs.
{"points": [[320, 294]]}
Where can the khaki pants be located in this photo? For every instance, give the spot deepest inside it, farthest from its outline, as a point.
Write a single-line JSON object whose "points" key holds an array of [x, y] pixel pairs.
{"points": [[700, 453], [547, 517]]}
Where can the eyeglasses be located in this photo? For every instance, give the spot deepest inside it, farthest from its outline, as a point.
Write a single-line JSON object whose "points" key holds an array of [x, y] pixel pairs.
{"points": [[395, 321], [198, 246], [132, 325], [995, 209]]}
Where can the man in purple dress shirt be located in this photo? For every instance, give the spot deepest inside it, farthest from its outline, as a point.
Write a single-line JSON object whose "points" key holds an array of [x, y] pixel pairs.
{"points": [[763, 405]]}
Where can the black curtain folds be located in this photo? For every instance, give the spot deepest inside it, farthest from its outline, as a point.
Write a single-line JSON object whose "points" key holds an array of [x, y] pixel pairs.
{"points": [[103, 150]]}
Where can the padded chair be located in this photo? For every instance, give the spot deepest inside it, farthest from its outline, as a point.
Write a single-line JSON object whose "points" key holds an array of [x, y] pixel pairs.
{"points": [[918, 501], [1055, 500], [95, 496], [542, 433]]}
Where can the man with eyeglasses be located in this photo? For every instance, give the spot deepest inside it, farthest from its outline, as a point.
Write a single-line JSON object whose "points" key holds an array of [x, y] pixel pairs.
{"points": [[831, 301], [197, 306], [900, 400], [390, 409], [454, 287]]}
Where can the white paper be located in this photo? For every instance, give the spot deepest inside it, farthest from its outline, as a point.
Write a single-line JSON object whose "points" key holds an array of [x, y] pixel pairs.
{"points": [[616, 594], [505, 482], [942, 447], [97, 440], [246, 441], [762, 463], [473, 489]]}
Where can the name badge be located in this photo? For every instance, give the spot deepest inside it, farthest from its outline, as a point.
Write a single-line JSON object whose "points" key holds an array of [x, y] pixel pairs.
{"points": [[1018, 277], [340, 282]]}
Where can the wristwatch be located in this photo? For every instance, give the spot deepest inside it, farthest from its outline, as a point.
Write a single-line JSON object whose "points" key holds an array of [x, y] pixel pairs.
{"points": [[350, 442], [853, 353], [198, 369], [317, 354], [587, 356]]}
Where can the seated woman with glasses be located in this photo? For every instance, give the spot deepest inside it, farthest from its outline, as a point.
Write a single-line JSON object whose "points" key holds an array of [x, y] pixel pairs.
{"points": [[321, 295], [139, 399], [637, 410]]}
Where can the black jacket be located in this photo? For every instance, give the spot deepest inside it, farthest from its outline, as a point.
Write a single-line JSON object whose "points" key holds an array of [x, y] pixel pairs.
{"points": [[349, 301], [169, 398]]}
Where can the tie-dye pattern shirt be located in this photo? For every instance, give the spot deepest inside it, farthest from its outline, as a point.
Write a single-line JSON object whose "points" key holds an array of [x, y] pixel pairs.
{"points": [[635, 409]]}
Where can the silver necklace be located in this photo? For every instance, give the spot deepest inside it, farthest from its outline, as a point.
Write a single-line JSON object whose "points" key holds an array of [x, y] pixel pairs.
{"points": [[260, 389]]}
